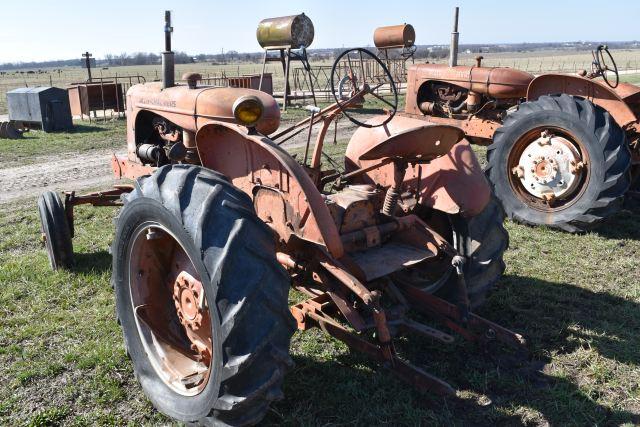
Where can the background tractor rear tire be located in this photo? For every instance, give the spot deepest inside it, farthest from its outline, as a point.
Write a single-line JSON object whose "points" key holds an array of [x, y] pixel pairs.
{"points": [[481, 239], [55, 231], [234, 254], [599, 195]]}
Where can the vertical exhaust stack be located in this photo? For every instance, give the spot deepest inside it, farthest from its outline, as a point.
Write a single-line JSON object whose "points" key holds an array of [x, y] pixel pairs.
{"points": [[168, 60], [453, 48]]}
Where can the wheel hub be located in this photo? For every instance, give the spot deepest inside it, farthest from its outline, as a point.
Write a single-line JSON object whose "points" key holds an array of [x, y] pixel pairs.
{"points": [[187, 296], [549, 167]]}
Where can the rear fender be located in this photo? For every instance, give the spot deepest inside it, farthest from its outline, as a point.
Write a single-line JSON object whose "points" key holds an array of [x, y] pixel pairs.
{"points": [[254, 163], [591, 90], [453, 183]]}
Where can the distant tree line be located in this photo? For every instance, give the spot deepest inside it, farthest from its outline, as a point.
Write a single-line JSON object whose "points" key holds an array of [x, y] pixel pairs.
{"points": [[232, 56]]}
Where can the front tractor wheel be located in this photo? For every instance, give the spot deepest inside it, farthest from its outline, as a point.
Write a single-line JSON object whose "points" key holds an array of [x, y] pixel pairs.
{"points": [[55, 230], [559, 161], [201, 298]]}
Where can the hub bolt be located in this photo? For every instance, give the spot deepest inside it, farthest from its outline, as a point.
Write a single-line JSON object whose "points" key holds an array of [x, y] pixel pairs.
{"points": [[518, 171], [576, 167]]}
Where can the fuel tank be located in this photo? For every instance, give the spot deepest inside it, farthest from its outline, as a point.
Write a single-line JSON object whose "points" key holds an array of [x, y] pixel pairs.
{"points": [[192, 108], [285, 31], [499, 82], [394, 36]]}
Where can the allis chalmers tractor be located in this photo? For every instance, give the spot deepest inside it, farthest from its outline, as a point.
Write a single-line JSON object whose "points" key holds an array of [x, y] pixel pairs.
{"points": [[221, 222], [564, 149]]}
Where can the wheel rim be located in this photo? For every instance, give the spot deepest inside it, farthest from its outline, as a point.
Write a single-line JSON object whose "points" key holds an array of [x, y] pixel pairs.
{"points": [[429, 276], [548, 169], [433, 274], [170, 309]]}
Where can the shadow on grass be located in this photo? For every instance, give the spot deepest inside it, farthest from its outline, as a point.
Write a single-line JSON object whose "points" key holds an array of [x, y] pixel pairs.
{"points": [[81, 128], [623, 225], [558, 320], [92, 262]]}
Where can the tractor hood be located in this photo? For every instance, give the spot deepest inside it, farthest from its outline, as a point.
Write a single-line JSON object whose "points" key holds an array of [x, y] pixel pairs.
{"points": [[192, 108], [499, 82]]}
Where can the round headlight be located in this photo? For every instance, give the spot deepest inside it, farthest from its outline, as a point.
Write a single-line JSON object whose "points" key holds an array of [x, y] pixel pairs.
{"points": [[248, 110]]}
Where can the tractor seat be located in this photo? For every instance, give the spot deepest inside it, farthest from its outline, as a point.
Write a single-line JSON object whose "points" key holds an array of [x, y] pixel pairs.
{"points": [[418, 144]]}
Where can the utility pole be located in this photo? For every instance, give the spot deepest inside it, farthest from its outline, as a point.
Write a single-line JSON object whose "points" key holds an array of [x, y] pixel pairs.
{"points": [[87, 63]]}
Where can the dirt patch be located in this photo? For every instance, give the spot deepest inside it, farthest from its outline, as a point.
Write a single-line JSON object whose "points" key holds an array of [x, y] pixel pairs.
{"points": [[56, 173], [71, 171]]}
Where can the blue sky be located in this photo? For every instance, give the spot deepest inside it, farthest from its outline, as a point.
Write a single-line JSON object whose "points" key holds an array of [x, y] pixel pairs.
{"points": [[62, 29]]}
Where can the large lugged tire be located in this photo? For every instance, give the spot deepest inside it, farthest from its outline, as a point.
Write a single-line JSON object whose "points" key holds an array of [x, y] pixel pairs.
{"points": [[55, 231], [481, 239], [536, 187], [232, 253], [484, 246]]}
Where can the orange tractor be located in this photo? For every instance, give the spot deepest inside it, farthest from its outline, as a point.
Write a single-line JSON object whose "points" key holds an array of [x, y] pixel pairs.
{"points": [[221, 222], [564, 149]]}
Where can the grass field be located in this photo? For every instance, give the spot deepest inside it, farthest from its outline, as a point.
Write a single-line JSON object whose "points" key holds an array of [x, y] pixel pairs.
{"points": [[575, 298]]}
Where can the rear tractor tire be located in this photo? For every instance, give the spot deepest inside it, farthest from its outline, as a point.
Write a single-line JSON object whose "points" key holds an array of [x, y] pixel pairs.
{"points": [[559, 161], [55, 231], [201, 298], [481, 239]]}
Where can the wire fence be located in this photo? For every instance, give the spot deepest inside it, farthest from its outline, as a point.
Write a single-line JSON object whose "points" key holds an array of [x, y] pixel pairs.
{"points": [[220, 75]]}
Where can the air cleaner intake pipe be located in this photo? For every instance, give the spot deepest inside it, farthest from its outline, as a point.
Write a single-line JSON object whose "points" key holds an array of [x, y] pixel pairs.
{"points": [[453, 48], [168, 60]]}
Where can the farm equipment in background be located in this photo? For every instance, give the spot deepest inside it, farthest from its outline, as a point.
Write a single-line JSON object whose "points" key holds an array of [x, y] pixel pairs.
{"points": [[563, 150], [221, 222], [12, 129]]}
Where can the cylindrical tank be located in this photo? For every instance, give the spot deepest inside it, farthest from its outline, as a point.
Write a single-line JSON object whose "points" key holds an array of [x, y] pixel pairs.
{"points": [[394, 36], [285, 31]]}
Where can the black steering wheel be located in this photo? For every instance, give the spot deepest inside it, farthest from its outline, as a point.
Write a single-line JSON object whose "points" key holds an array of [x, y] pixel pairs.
{"points": [[358, 70], [602, 67]]}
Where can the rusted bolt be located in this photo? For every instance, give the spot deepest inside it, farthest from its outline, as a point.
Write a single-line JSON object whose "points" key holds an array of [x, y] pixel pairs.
{"points": [[518, 171], [576, 167], [545, 138]]}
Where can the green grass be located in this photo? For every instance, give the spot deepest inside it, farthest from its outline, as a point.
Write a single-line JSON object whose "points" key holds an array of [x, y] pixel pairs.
{"points": [[630, 78], [84, 137], [575, 298]]}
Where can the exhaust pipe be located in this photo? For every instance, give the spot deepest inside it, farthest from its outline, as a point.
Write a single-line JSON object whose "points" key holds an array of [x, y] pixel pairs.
{"points": [[168, 60], [453, 48]]}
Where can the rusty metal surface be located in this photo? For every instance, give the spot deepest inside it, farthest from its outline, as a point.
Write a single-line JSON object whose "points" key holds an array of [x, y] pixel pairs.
{"points": [[596, 92], [252, 160], [477, 329], [423, 143], [184, 365], [293, 31], [88, 97], [479, 128], [124, 168], [394, 36], [499, 82], [628, 92], [453, 183], [190, 109]]}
